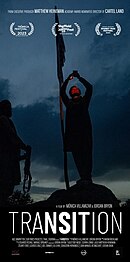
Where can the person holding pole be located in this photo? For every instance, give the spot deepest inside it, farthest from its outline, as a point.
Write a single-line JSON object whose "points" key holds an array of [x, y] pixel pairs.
{"points": [[10, 146], [78, 126]]}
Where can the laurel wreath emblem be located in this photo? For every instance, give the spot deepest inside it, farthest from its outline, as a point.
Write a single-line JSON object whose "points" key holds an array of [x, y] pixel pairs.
{"points": [[12, 30], [99, 31], [55, 34]]}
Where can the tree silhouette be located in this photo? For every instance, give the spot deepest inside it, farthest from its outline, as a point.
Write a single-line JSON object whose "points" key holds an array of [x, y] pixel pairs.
{"points": [[20, 199]]}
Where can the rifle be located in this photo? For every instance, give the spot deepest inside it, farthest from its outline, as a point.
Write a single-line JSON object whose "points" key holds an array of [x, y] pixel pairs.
{"points": [[27, 174]]}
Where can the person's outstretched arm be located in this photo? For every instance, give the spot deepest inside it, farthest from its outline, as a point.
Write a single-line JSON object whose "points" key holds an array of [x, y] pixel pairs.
{"points": [[63, 94], [87, 85]]}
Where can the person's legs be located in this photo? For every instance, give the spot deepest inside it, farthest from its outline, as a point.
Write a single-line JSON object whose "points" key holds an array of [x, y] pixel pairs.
{"points": [[83, 162]]}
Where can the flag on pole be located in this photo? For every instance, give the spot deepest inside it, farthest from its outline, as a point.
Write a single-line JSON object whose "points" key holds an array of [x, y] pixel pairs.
{"points": [[60, 46], [60, 49]]}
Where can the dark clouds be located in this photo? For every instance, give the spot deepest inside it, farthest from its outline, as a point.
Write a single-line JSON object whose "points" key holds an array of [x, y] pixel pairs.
{"points": [[39, 126], [105, 59], [4, 89], [111, 128]]}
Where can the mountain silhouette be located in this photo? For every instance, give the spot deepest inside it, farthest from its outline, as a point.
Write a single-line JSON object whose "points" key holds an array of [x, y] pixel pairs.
{"points": [[81, 192]]}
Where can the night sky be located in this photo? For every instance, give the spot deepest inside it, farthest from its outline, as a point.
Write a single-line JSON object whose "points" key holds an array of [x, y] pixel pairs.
{"points": [[28, 77]]}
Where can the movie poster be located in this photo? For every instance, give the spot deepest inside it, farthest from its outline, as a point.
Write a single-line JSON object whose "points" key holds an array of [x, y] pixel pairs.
{"points": [[64, 182]]}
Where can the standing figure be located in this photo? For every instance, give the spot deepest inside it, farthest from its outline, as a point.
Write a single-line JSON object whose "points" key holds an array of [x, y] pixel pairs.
{"points": [[78, 127], [10, 146]]}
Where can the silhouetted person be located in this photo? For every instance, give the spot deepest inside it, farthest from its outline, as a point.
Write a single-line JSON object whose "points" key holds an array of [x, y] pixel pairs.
{"points": [[10, 146], [78, 128]]}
